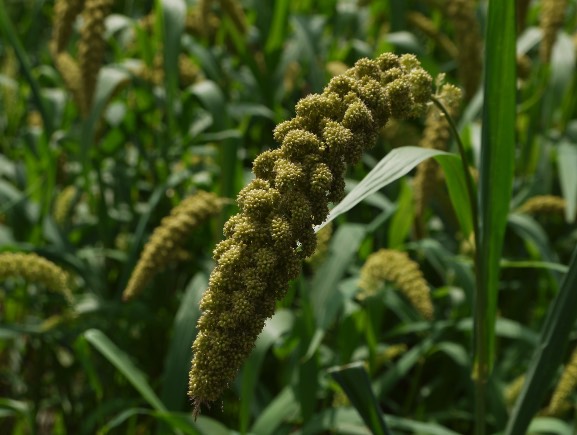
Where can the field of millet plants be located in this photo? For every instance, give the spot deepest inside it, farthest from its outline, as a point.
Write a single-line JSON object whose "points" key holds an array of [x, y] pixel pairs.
{"points": [[288, 217]]}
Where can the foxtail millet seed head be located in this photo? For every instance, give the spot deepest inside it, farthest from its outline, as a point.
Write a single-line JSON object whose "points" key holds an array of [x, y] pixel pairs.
{"points": [[35, 269], [70, 72], [551, 20], [567, 383], [323, 241], [513, 389], [544, 205], [63, 205], [273, 232], [404, 273], [91, 48], [65, 13], [166, 242]]}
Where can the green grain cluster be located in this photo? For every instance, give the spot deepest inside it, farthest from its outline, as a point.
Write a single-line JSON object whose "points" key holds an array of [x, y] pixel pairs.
{"points": [[404, 273], [551, 20], [34, 269], [266, 242], [560, 401], [544, 205], [65, 13], [91, 48], [166, 242]]}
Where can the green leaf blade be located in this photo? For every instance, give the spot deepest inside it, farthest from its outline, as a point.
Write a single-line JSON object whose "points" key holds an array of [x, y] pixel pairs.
{"points": [[496, 175], [121, 361], [395, 164]]}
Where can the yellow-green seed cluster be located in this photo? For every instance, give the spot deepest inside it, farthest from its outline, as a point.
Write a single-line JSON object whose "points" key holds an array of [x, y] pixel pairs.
{"points": [[63, 205], [391, 353], [404, 273], [165, 244], [65, 13], [436, 135], [34, 269], [80, 76], [551, 20], [544, 205], [513, 390], [566, 386], [91, 48], [323, 241], [68, 69], [273, 232]]}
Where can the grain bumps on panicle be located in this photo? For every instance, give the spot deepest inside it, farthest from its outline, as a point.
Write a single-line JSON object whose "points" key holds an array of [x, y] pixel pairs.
{"points": [[35, 269], [404, 273], [266, 242], [91, 48], [166, 242]]}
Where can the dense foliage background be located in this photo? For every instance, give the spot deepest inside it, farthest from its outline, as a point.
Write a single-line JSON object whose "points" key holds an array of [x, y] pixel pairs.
{"points": [[188, 94]]}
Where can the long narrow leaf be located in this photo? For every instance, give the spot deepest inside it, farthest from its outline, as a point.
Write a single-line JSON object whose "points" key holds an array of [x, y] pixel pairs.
{"points": [[283, 406], [496, 177], [180, 353], [457, 186], [281, 322], [355, 382], [396, 164], [549, 352], [567, 162], [326, 300], [119, 359]]}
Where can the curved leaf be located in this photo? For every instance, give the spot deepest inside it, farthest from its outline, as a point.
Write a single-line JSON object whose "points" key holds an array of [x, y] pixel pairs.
{"points": [[395, 164]]}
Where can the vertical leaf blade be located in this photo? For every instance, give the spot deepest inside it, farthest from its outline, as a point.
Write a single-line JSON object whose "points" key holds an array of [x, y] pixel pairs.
{"points": [[549, 352], [496, 176]]}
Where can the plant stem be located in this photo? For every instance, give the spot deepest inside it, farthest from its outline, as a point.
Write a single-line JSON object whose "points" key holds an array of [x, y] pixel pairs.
{"points": [[480, 369]]}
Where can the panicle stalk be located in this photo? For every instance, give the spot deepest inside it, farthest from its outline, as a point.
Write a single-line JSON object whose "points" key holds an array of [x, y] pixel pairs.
{"points": [[436, 135]]}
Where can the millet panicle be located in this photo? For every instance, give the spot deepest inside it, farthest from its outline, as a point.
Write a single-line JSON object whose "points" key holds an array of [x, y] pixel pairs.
{"points": [[404, 273], [166, 242], [273, 232], [91, 48], [560, 401], [35, 269]]}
